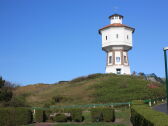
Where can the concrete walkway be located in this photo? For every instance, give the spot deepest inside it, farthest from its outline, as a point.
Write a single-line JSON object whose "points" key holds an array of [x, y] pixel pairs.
{"points": [[161, 108], [44, 124]]}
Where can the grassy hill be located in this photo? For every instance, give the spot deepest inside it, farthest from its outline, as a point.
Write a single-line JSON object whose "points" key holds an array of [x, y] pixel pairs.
{"points": [[96, 88]]}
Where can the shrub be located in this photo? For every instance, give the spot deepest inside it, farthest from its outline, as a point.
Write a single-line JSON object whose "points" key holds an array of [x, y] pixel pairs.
{"points": [[60, 118], [18, 101], [108, 115], [5, 94], [5, 91], [76, 114], [39, 115], [23, 116], [142, 115], [97, 115], [15, 116], [47, 115], [102, 114], [57, 99]]}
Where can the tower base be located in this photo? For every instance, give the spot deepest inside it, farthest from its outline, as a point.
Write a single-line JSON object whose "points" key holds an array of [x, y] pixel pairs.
{"points": [[118, 69]]}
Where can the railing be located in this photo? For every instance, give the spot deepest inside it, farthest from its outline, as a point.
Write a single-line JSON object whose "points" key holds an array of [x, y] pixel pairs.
{"points": [[147, 101]]}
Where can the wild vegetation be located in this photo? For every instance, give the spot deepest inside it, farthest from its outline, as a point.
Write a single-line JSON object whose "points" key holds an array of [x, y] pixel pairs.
{"points": [[5, 92], [91, 89], [7, 98], [95, 88]]}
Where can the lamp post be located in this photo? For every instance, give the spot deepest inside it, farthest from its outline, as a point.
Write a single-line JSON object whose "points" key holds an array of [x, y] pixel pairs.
{"points": [[166, 73]]}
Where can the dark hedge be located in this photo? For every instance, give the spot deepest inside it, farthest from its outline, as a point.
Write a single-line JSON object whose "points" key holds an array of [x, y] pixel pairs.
{"points": [[102, 114], [76, 114], [39, 115], [142, 115], [60, 118], [15, 116]]}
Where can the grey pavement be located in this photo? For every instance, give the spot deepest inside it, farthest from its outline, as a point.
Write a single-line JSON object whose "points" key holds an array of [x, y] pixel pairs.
{"points": [[161, 108]]}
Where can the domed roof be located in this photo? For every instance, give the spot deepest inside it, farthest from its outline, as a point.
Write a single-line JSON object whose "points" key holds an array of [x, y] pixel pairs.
{"points": [[116, 15]]}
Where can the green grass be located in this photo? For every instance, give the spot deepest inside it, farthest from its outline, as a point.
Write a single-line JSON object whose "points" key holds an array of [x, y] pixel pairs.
{"points": [[123, 116], [91, 124], [29, 125], [97, 88], [87, 116]]}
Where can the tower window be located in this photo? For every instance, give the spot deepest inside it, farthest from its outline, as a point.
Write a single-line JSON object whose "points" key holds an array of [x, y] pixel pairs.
{"points": [[110, 59], [106, 37], [127, 37], [117, 59], [125, 59], [116, 35]]}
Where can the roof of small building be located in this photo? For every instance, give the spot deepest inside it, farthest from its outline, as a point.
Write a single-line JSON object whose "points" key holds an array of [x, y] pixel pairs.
{"points": [[116, 15], [116, 25]]}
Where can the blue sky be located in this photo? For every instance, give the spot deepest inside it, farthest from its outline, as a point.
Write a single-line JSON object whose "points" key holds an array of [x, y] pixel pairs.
{"points": [[51, 40]]}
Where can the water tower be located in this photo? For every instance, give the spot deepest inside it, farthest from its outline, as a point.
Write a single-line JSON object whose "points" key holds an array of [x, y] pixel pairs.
{"points": [[116, 42]]}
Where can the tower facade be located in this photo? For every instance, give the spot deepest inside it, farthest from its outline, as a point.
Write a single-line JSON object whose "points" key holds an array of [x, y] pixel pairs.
{"points": [[116, 42]]}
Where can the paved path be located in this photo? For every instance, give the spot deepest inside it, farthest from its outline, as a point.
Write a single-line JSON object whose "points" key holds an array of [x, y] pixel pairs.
{"points": [[161, 108], [44, 124]]}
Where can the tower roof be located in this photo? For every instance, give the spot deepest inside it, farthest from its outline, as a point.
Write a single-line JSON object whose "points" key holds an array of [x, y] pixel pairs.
{"points": [[116, 25], [116, 15]]}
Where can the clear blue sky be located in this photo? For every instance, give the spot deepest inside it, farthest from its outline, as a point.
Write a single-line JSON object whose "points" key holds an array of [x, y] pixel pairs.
{"points": [[51, 40]]}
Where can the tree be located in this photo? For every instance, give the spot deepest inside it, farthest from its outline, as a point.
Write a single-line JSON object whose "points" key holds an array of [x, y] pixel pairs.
{"points": [[5, 92], [2, 82], [134, 73]]}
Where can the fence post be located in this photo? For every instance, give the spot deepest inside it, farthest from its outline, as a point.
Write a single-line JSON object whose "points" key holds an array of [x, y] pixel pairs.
{"points": [[34, 112], [150, 104]]}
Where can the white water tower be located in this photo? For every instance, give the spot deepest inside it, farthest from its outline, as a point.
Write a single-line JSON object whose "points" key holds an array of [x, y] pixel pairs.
{"points": [[116, 42]]}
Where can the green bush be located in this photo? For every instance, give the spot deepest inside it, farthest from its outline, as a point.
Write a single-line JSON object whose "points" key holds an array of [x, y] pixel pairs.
{"points": [[47, 115], [5, 91], [97, 115], [102, 114], [23, 116], [142, 115], [39, 115], [15, 116], [18, 101], [108, 115], [60, 118], [76, 114]]}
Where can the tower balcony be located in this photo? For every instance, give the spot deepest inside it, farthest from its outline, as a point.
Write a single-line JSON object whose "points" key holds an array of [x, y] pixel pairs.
{"points": [[107, 46]]}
